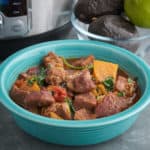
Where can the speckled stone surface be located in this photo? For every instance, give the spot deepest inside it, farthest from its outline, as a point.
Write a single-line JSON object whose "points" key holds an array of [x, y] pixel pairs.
{"points": [[136, 138], [13, 138]]}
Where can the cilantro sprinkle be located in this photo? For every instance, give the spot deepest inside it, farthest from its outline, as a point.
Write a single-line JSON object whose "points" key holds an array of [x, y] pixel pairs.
{"points": [[121, 94], [109, 83]]}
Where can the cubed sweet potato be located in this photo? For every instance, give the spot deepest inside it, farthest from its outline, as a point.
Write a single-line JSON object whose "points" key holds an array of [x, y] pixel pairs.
{"points": [[103, 70], [55, 116]]}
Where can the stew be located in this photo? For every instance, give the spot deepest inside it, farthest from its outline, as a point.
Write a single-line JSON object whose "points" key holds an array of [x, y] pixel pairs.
{"points": [[75, 89]]}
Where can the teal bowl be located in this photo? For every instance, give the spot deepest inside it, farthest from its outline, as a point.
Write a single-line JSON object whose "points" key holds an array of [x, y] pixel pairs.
{"points": [[74, 132]]}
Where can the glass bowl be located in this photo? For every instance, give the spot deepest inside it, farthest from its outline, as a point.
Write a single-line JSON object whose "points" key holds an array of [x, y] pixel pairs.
{"points": [[139, 44]]}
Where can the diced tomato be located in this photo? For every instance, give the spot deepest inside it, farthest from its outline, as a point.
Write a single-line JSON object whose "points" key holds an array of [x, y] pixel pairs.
{"points": [[33, 70], [59, 93], [20, 82]]}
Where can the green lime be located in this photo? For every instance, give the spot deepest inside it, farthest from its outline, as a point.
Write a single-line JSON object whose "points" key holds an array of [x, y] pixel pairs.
{"points": [[138, 12]]}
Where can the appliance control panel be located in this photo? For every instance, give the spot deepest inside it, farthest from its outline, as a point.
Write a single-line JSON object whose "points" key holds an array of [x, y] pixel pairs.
{"points": [[15, 18]]}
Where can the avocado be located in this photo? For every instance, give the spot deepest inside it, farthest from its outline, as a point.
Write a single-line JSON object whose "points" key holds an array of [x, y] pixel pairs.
{"points": [[113, 26], [87, 10], [118, 28]]}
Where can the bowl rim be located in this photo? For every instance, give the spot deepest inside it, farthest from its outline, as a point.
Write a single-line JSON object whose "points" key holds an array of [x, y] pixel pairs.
{"points": [[84, 32], [19, 111]]}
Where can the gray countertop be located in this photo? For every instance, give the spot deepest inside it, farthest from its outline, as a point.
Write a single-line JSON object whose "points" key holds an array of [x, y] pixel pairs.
{"points": [[13, 138]]}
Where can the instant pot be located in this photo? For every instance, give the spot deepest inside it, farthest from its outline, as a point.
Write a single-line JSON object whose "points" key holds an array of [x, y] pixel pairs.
{"points": [[26, 22]]}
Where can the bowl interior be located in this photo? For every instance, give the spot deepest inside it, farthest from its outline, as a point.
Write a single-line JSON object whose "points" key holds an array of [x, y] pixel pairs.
{"points": [[32, 56]]}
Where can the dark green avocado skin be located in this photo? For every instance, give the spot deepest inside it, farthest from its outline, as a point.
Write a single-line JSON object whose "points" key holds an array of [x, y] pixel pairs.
{"points": [[86, 10], [113, 26]]}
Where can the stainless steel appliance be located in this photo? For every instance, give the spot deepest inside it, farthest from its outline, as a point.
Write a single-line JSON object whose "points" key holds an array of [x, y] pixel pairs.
{"points": [[31, 21], [22, 18]]}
